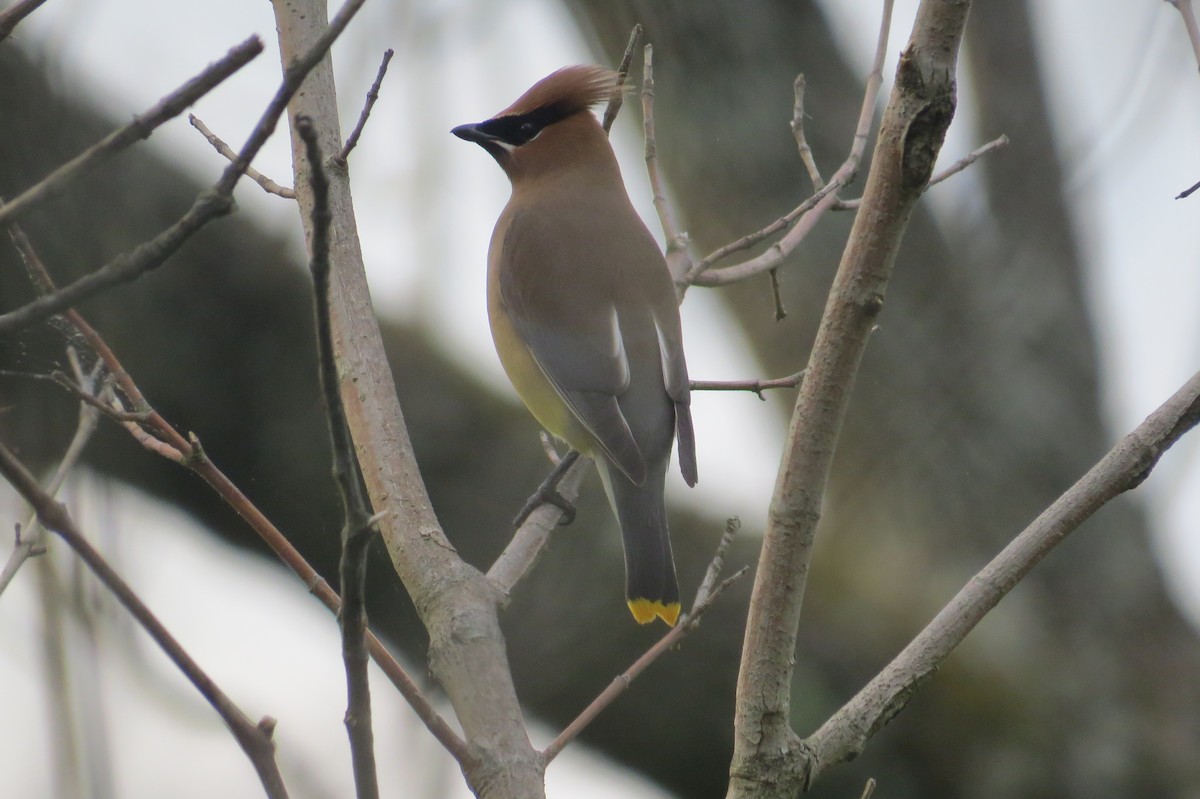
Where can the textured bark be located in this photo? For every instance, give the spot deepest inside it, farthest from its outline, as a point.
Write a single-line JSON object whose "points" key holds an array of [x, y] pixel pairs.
{"points": [[456, 603], [769, 759]]}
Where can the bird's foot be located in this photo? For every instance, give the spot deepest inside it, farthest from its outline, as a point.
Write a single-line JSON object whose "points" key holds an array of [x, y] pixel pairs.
{"points": [[547, 494]]}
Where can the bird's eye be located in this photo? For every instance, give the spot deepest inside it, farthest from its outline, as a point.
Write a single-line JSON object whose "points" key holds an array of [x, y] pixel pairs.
{"points": [[527, 130]]}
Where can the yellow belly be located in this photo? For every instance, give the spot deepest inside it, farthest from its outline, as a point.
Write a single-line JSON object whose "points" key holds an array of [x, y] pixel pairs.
{"points": [[534, 389]]}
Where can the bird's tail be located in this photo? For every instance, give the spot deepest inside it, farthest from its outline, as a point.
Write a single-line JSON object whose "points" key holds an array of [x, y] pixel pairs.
{"points": [[651, 589]]}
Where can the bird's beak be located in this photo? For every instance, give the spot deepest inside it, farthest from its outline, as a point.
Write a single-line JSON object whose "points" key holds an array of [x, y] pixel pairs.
{"points": [[471, 133], [497, 148]]}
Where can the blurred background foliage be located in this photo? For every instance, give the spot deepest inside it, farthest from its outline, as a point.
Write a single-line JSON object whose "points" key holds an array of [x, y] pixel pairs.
{"points": [[977, 404]]}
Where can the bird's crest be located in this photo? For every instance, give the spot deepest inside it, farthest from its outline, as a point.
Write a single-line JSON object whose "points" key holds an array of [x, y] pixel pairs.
{"points": [[567, 91]]}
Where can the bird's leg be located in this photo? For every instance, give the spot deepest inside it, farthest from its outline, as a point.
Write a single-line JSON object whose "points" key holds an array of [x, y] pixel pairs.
{"points": [[548, 493]]}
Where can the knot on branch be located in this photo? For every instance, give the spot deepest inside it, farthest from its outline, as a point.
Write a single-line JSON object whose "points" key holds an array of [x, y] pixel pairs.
{"points": [[873, 305], [925, 133], [923, 141], [214, 202]]}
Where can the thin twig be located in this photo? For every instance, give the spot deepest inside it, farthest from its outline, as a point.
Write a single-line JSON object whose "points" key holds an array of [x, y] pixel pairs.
{"points": [[868, 789], [167, 442], [12, 16], [255, 739], [142, 417], [101, 405], [140, 128], [756, 386], [356, 529], [35, 270], [212, 203], [732, 525], [780, 311], [268, 185], [1188, 191], [814, 208], [678, 260], [31, 542], [806, 153], [708, 593], [967, 160], [750, 239], [614, 105], [950, 171], [372, 96], [622, 682], [124, 268], [1123, 469]]}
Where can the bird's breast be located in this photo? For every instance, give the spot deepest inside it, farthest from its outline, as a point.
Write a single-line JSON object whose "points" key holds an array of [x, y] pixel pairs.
{"points": [[535, 390]]}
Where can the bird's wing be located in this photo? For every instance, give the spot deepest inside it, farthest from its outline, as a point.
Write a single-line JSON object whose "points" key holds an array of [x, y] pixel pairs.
{"points": [[675, 374], [562, 306]]}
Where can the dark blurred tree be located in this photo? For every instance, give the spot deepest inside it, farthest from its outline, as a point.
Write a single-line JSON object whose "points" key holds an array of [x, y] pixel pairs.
{"points": [[977, 405]]}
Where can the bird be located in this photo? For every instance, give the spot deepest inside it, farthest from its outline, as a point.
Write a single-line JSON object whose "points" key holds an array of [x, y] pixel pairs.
{"points": [[584, 314]]}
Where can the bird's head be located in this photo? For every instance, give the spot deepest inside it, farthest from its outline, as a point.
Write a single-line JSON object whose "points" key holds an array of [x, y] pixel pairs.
{"points": [[548, 125]]}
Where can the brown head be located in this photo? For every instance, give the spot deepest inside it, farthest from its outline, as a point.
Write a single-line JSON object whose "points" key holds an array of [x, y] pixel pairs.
{"points": [[550, 124]]}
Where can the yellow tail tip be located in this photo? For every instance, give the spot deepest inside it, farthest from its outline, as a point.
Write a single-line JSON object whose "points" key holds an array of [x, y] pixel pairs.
{"points": [[647, 610]]}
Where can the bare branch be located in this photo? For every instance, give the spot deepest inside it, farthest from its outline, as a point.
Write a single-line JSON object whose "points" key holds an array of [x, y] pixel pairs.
{"points": [[750, 239], [454, 600], [167, 442], [811, 211], [255, 739], [356, 529], [780, 311], [614, 105], [709, 583], [140, 128], [756, 386], [269, 186], [31, 542], [968, 159], [1124, 468], [212, 203], [950, 171], [708, 593], [372, 96], [768, 760], [124, 268], [101, 403], [531, 537], [142, 413], [678, 260], [806, 154], [12, 16]]}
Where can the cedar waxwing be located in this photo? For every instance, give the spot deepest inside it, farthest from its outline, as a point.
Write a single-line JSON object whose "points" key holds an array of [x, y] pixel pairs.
{"points": [[584, 314]]}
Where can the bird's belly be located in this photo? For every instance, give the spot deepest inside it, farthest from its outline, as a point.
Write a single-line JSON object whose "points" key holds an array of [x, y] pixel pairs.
{"points": [[534, 389]]}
